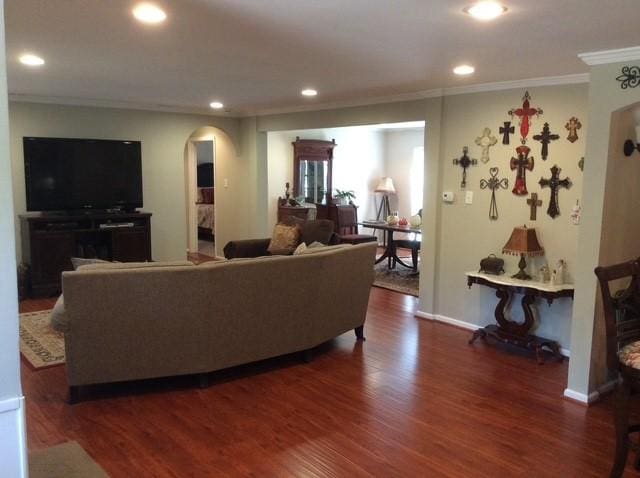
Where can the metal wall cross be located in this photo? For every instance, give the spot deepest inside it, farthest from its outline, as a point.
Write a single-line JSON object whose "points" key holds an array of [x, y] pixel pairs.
{"points": [[494, 183], [534, 203], [554, 183], [485, 142], [545, 137], [505, 131], [464, 162], [521, 163], [525, 113]]}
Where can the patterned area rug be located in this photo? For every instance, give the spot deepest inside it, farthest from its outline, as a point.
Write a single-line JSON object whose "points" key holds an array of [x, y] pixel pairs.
{"points": [[399, 279], [40, 345]]}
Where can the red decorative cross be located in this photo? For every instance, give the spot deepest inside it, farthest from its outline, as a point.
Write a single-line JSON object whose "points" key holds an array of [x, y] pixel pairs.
{"points": [[525, 113]]}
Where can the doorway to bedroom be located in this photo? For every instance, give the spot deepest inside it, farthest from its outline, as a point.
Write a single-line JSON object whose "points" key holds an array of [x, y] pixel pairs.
{"points": [[205, 204]]}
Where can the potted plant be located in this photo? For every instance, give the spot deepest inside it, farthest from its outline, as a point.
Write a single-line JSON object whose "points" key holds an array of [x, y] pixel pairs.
{"points": [[345, 197]]}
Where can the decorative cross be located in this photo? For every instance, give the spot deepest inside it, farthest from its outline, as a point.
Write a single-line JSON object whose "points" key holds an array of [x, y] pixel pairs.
{"points": [[485, 142], [464, 161], [581, 164], [521, 163], [554, 183], [525, 113], [494, 183], [534, 203], [545, 138], [505, 131], [573, 125]]}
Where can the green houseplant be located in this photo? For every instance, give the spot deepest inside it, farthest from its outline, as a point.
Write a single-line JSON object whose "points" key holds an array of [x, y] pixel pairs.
{"points": [[345, 197]]}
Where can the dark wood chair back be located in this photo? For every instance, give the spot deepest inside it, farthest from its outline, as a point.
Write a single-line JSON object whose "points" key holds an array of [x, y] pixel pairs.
{"points": [[622, 308], [347, 220]]}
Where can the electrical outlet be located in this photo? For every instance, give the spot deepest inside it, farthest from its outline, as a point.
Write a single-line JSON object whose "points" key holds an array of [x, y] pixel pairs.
{"points": [[468, 198]]}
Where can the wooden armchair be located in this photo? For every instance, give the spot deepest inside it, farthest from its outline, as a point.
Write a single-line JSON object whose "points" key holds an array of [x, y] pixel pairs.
{"points": [[622, 322], [412, 244], [347, 226]]}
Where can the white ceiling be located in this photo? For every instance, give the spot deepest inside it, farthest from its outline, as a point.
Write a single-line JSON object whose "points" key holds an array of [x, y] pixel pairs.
{"points": [[256, 55]]}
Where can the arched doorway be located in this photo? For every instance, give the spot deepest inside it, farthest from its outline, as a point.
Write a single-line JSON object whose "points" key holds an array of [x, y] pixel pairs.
{"points": [[206, 149]]}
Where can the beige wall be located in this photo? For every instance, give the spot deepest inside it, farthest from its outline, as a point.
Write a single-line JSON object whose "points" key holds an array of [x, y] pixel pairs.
{"points": [[163, 137], [607, 212], [467, 234]]}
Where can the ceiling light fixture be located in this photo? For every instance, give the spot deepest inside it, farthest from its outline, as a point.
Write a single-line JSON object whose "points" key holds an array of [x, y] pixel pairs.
{"points": [[485, 10], [30, 59], [464, 70], [149, 13], [216, 105], [309, 92]]}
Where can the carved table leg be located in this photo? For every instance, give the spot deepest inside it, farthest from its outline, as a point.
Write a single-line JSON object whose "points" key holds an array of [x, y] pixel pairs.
{"points": [[478, 334]]}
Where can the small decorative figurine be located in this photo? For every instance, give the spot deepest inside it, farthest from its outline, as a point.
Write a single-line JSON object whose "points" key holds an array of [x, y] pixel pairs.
{"points": [[576, 213], [561, 268], [554, 278], [581, 164], [534, 203], [525, 113], [505, 131], [545, 137], [465, 161], [554, 183], [573, 125], [485, 142], [521, 164], [545, 273], [287, 192], [494, 183]]}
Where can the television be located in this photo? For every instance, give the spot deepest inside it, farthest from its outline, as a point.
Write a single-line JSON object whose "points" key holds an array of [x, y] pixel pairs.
{"points": [[63, 174]]}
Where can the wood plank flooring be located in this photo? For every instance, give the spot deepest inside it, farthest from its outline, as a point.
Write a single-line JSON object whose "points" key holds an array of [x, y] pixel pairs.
{"points": [[414, 400]]}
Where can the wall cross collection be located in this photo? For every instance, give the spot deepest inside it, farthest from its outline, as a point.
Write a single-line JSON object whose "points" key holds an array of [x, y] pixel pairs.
{"points": [[554, 183], [545, 137], [523, 162], [485, 142], [534, 203], [493, 183], [464, 162]]}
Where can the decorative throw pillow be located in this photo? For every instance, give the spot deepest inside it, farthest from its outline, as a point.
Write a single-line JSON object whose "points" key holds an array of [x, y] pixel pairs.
{"points": [[284, 239], [302, 247], [83, 261]]}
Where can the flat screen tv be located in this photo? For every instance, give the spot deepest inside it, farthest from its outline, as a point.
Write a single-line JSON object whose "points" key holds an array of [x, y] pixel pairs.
{"points": [[64, 174]]}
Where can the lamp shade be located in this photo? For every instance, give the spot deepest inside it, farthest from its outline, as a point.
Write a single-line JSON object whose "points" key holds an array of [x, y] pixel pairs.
{"points": [[385, 185], [523, 241]]}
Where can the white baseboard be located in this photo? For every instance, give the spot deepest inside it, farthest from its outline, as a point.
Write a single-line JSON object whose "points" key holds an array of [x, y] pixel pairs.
{"points": [[464, 325], [593, 396], [13, 444]]}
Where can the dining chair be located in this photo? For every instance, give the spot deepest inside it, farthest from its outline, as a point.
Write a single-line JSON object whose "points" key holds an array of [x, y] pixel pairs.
{"points": [[413, 244], [347, 226], [622, 324]]}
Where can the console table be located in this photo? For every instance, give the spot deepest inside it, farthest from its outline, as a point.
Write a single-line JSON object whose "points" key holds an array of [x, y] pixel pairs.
{"points": [[508, 331]]}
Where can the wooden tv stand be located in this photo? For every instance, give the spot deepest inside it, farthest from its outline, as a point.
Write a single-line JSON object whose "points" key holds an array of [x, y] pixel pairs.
{"points": [[49, 241]]}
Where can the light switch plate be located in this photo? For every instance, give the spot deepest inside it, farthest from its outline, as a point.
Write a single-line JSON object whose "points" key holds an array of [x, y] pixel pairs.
{"points": [[468, 198], [226, 183]]}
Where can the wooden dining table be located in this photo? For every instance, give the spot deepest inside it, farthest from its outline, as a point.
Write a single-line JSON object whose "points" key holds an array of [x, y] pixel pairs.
{"points": [[391, 251]]}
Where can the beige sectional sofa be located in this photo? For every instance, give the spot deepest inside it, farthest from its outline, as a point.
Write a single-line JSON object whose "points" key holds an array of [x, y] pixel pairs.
{"points": [[137, 321]]}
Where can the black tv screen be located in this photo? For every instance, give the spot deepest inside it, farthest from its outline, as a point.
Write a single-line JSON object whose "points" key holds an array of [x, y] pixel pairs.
{"points": [[72, 174]]}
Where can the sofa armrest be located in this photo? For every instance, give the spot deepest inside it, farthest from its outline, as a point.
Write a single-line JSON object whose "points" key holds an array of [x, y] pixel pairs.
{"points": [[246, 248]]}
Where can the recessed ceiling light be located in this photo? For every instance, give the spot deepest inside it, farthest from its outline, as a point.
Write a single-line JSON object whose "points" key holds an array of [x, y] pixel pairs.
{"points": [[485, 10], [309, 92], [216, 105], [30, 59], [149, 13], [463, 70]]}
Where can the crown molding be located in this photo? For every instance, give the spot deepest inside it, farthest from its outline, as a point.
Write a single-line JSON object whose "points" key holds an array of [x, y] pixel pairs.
{"points": [[611, 56], [574, 79], [413, 96], [98, 103]]}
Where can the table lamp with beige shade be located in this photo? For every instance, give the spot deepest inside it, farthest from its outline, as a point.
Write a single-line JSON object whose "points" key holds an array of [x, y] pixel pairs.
{"points": [[385, 186], [523, 242]]}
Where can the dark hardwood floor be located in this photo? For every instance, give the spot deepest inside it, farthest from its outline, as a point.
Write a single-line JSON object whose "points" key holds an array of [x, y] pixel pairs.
{"points": [[414, 400]]}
